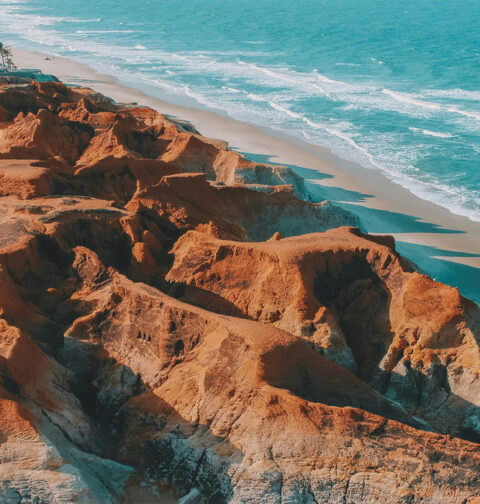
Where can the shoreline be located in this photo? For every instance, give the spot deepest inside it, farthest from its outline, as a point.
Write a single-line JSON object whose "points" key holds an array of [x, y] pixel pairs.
{"points": [[444, 245]]}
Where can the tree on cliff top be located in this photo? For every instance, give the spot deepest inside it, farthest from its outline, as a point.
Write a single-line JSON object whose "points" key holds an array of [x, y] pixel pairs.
{"points": [[6, 61]]}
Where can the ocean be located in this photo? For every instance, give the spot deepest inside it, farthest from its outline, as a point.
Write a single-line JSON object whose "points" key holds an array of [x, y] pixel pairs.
{"points": [[391, 85]]}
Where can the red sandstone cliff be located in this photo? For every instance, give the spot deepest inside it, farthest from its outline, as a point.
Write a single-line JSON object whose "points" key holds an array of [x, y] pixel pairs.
{"points": [[252, 365]]}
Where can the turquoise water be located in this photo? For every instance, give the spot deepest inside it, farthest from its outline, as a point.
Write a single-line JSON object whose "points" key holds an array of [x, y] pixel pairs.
{"points": [[392, 85]]}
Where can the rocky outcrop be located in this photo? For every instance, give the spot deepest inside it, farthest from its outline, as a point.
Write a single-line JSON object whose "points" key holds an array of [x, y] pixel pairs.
{"points": [[24, 179], [238, 211], [48, 444], [43, 136], [194, 153], [31, 97], [124, 136], [252, 365], [207, 395], [358, 303]]}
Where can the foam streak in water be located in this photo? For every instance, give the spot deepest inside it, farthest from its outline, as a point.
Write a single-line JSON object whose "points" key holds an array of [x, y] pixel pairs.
{"points": [[431, 133], [409, 99]]}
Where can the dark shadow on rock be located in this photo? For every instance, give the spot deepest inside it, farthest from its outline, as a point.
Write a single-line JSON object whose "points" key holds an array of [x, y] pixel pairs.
{"points": [[361, 302], [203, 298], [316, 379], [362, 305], [431, 399], [139, 429], [183, 123]]}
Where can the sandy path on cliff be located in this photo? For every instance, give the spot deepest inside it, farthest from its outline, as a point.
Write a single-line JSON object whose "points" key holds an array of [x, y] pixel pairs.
{"points": [[444, 245]]}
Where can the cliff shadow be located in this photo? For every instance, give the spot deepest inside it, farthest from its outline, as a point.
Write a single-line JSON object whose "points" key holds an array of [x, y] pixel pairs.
{"points": [[430, 398], [361, 303], [183, 123], [374, 220], [431, 259], [137, 428], [387, 222], [465, 277], [311, 177], [203, 298]]}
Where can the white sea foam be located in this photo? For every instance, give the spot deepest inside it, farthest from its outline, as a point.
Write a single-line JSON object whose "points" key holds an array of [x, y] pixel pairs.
{"points": [[466, 113], [285, 110], [371, 159], [232, 90], [399, 169], [455, 94], [324, 78], [431, 133], [277, 106], [409, 99], [297, 79], [412, 100]]}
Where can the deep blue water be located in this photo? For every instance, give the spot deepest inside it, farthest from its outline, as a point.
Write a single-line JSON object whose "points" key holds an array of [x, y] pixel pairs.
{"points": [[393, 85]]}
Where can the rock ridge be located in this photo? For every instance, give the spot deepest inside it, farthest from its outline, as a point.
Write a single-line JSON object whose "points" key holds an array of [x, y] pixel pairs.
{"points": [[181, 324]]}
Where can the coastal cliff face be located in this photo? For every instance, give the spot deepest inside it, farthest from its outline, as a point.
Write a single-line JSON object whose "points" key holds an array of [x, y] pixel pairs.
{"points": [[180, 324]]}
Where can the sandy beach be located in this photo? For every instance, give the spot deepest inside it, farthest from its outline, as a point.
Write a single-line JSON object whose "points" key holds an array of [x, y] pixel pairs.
{"points": [[444, 245]]}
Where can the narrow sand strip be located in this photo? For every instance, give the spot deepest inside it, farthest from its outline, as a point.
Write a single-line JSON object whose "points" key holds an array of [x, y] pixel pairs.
{"points": [[444, 245]]}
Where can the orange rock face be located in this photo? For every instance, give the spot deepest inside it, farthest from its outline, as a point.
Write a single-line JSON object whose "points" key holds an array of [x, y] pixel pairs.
{"points": [[238, 211], [271, 358], [358, 303], [24, 179], [43, 136]]}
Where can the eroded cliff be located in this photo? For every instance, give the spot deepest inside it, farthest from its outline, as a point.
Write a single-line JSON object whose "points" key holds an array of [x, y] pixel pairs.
{"points": [[178, 323]]}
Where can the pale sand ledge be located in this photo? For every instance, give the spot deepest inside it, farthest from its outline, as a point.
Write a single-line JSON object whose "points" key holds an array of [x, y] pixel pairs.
{"points": [[383, 206]]}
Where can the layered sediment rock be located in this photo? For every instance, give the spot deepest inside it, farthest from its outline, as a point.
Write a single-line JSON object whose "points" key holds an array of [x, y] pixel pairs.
{"points": [[284, 368], [240, 211], [49, 445], [247, 408], [360, 304], [42, 136], [24, 179]]}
